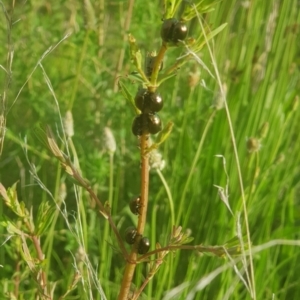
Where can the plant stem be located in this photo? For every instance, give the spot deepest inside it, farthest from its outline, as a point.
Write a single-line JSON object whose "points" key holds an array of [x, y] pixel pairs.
{"points": [[43, 280], [156, 67], [105, 254], [41, 277], [170, 197], [79, 68], [144, 184], [131, 262], [216, 250], [109, 219]]}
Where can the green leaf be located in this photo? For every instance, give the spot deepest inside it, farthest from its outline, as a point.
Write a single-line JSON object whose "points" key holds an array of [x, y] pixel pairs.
{"points": [[52, 144], [235, 241], [12, 229], [44, 218], [40, 132], [233, 246], [216, 31], [135, 53], [203, 6], [162, 136], [186, 240], [201, 41], [11, 200], [166, 76], [46, 137], [128, 96], [135, 77], [170, 8]]}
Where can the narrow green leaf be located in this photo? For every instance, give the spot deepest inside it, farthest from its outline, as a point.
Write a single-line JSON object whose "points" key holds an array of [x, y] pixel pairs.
{"points": [[135, 53], [135, 77], [187, 240], [166, 76], [44, 217], [40, 132], [216, 31], [170, 8], [235, 241], [162, 136], [128, 96], [12, 229], [46, 137], [11, 200], [203, 6], [52, 144]]}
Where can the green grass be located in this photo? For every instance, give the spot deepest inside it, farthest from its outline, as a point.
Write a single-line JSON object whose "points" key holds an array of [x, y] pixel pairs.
{"points": [[257, 56]]}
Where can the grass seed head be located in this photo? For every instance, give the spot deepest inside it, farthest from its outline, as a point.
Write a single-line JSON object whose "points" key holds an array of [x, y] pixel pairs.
{"points": [[109, 140], [69, 124]]}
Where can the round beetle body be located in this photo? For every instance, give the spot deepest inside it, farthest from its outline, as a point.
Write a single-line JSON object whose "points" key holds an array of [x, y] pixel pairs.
{"points": [[130, 235], [135, 205], [154, 123], [138, 125], [146, 123], [172, 31], [148, 101], [144, 245]]}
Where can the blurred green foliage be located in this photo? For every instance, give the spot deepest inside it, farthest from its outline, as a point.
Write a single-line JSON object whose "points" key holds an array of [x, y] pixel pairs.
{"points": [[257, 55]]}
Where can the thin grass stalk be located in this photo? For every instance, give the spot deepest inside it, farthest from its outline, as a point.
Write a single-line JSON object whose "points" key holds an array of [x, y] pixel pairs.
{"points": [[232, 135], [79, 68], [253, 177], [50, 234], [104, 253], [170, 197], [126, 26], [196, 158], [8, 74]]}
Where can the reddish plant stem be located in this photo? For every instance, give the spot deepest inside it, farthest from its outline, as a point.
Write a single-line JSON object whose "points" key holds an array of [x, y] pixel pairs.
{"points": [[132, 259], [40, 254], [37, 246], [131, 262], [144, 184]]}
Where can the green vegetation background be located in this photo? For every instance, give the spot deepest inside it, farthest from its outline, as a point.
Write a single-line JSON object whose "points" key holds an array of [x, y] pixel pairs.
{"points": [[258, 58]]}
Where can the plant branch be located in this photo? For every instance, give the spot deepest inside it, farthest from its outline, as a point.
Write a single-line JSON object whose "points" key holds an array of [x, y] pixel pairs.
{"points": [[156, 67], [107, 215], [40, 255], [144, 184], [216, 250], [131, 262]]}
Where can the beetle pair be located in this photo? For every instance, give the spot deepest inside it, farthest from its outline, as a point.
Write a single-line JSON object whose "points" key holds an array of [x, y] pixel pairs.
{"points": [[131, 236], [148, 121]]}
